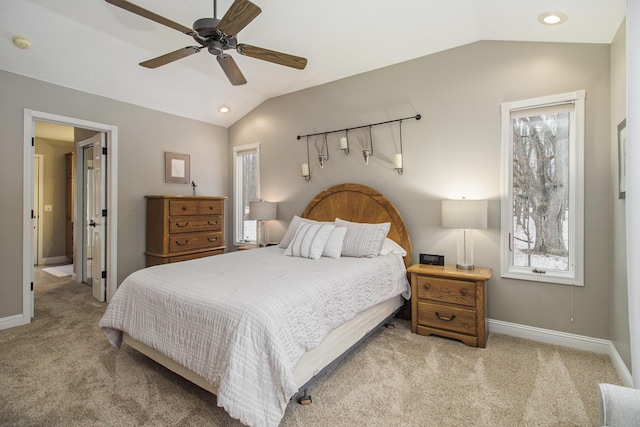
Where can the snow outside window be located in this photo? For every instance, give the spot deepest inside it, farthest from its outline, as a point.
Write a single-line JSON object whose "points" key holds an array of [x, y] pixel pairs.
{"points": [[542, 190], [246, 188]]}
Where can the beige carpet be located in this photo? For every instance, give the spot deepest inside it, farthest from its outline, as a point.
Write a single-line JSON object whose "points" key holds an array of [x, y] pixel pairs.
{"points": [[60, 371]]}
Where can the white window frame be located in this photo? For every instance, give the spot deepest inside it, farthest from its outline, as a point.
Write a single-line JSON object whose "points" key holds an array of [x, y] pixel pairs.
{"points": [[238, 178], [575, 274]]}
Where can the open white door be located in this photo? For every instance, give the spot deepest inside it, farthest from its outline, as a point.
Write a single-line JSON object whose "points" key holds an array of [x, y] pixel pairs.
{"points": [[98, 222]]}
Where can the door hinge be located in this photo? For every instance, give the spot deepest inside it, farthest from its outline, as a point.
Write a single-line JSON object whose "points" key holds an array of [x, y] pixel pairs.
{"points": [[31, 286], [33, 141], [33, 216], [104, 213], [104, 151], [104, 275]]}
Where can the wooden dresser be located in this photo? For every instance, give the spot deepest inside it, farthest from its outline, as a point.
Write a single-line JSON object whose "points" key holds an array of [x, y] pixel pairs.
{"points": [[449, 302], [180, 228]]}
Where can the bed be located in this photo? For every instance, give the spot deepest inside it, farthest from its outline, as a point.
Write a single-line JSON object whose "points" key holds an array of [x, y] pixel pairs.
{"points": [[257, 327]]}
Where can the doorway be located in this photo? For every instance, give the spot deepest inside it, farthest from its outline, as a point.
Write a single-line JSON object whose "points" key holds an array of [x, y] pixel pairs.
{"points": [[108, 143]]}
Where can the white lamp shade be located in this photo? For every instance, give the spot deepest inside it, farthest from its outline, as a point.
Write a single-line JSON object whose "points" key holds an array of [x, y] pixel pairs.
{"points": [[263, 211], [465, 214]]}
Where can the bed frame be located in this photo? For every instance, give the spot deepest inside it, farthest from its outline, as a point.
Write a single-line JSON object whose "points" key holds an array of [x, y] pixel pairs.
{"points": [[350, 202]]}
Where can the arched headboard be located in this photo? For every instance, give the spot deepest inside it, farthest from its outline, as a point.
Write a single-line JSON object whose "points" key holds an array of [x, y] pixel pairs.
{"points": [[359, 203]]}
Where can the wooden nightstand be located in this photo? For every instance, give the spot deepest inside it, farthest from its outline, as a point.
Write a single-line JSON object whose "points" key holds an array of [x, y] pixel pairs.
{"points": [[449, 302]]}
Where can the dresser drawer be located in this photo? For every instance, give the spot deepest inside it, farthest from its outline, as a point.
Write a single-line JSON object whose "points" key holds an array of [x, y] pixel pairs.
{"points": [[186, 224], [195, 255], [447, 317], [195, 207], [447, 290], [185, 242]]}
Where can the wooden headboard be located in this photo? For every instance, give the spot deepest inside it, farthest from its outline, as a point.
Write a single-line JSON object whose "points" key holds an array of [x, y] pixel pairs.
{"points": [[359, 203]]}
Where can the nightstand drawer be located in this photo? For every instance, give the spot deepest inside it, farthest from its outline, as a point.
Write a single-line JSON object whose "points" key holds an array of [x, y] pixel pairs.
{"points": [[447, 317], [447, 290]]}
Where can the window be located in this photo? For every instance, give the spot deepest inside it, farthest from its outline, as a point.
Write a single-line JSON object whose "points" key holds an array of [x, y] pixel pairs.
{"points": [[246, 188], [542, 190]]}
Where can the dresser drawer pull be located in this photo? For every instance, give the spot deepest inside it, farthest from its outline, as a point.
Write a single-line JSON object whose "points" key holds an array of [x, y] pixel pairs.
{"points": [[463, 292], [426, 286], [212, 239], [182, 244], [186, 224], [448, 319], [212, 222], [210, 208], [184, 208]]}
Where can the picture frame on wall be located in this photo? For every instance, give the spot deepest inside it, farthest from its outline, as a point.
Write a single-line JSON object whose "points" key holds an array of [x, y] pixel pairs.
{"points": [[176, 168], [622, 159]]}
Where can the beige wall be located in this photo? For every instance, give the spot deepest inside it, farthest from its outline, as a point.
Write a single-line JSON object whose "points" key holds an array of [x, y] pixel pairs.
{"points": [[144, 135], [619, 301], [54, 194], [453, 151]]}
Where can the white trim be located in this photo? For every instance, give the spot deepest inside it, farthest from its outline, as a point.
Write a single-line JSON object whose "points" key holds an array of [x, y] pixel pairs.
{"points": [[580, 342], [575, 275], [111, 133], [13, 321]]}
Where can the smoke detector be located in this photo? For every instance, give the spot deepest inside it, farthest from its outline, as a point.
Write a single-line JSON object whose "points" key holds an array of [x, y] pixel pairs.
{"points": [[22, 42]]}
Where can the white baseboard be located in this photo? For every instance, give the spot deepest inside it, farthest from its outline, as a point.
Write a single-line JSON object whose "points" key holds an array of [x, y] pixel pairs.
{"points": [[13, 321], [579, 342]]}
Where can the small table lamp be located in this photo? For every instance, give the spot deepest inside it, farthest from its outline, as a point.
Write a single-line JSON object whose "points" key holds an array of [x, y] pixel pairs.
{"points": [[465, 215], [262, 211]]}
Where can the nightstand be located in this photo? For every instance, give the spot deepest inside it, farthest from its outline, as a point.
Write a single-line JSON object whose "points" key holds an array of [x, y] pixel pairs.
{"points": [[449, 302]]}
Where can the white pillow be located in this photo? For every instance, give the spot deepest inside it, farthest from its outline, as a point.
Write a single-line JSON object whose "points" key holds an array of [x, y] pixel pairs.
{"points": [[333, 248], [391, 247], [293, 226], [363, 240], [309, 240]]}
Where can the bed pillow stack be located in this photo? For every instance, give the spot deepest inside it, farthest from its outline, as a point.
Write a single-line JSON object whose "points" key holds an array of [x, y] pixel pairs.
{"points": [[312, 239]]}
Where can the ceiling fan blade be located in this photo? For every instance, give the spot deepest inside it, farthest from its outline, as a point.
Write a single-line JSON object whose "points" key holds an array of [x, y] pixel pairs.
{"points": [[170, 57], [130, 7], [231, 69], [238, 16], [272, 56]]}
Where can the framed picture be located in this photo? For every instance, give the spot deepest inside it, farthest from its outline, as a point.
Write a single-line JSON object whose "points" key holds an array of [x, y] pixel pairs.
{"points": [[622, 159], [176, 168]]}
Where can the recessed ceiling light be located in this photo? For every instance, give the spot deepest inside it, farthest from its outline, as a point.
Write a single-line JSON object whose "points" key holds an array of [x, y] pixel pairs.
{"points": [[22, 42], [552, 18], [224, 110]]}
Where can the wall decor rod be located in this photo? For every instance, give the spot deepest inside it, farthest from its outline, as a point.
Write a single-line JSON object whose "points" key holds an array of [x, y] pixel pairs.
{"points": [[417, 117]]}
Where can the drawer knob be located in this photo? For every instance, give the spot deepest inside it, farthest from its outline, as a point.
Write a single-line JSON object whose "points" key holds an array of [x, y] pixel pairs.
{"points": [[184, 208], [447, 318], [182, 244], [210, 208], [186, 224], [463, 292], [426, 286]]}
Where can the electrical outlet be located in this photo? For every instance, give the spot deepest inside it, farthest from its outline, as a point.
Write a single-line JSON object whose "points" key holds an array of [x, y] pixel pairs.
{"points": [[48, 208]]}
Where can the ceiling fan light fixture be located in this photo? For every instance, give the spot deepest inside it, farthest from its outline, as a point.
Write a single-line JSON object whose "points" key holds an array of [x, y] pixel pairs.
{"points": [[552, 18]]}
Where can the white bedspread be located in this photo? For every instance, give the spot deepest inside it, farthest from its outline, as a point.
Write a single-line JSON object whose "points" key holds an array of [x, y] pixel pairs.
{"points": [[242, 320]]}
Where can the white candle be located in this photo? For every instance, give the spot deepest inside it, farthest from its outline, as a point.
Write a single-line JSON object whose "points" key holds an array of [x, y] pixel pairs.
{"points": [[397, 161], [305, 169], [343, 143]]}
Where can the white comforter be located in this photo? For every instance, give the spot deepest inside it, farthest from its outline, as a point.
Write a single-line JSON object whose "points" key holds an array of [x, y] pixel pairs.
{"points": [[242, 320]]}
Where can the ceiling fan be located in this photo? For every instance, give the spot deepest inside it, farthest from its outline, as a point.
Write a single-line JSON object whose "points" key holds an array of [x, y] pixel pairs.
{"points": [[216, 35]]}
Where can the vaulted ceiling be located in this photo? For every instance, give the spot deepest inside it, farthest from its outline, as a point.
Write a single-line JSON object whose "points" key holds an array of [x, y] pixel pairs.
{"points": [[93, 46]]}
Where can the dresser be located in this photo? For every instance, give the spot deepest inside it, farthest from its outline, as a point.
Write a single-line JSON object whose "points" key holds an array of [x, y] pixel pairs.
{"points": [[180, 228], [449, 302]]}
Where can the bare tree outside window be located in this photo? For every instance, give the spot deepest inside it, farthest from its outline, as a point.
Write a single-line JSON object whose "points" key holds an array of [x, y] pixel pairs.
{"points": [[246, 188], [541, 191]]}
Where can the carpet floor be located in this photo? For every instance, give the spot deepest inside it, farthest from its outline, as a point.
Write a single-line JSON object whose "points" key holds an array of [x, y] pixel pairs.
{"points": [[60, 370]]}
